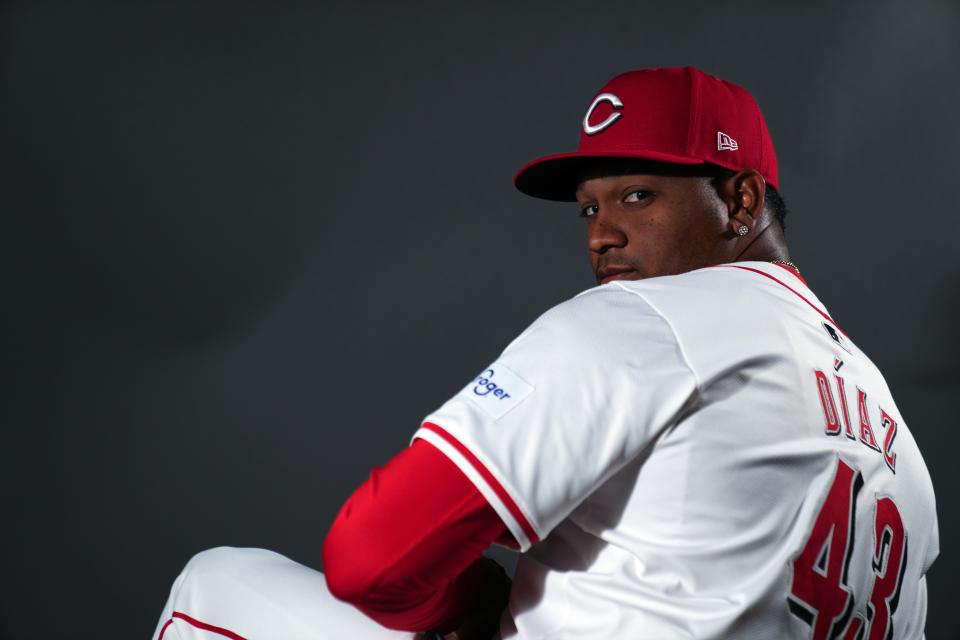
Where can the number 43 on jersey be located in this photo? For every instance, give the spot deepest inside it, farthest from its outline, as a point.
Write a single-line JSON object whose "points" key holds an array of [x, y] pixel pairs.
{"points": [[819, 593]]}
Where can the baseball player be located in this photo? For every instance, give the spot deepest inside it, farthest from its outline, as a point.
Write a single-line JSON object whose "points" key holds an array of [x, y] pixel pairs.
{"points": [[694, 448]]}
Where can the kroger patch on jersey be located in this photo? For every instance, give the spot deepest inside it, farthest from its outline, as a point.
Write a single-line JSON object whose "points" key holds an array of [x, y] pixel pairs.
{"points": [[496, 390]]}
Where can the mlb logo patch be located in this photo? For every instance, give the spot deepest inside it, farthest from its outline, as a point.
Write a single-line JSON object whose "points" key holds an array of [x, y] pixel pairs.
{"points": [[497, 390], [836, 337]]}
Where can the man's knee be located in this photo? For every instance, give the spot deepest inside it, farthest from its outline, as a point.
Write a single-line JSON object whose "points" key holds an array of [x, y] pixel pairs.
{"points": [[223, 562], [213, 558]]}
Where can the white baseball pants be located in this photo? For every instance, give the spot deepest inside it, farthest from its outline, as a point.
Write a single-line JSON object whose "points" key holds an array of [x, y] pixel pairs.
{"points": [[254, 594]]}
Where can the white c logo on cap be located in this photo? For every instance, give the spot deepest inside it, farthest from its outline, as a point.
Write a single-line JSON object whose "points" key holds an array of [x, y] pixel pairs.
{"points": [[597, 128]]}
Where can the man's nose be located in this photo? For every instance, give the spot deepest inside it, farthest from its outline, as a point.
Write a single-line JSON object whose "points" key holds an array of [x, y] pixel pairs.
{"points": [[604, 234]]}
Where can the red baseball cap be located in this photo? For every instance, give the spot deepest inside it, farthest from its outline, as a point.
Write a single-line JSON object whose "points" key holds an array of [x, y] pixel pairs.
{"points": [[674, 115]]}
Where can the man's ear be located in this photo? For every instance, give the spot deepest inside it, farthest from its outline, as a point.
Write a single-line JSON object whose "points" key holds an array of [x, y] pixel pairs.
{"points": [[743, 193]]}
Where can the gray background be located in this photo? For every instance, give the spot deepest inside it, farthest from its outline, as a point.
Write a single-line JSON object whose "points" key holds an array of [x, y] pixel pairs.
{"points": [[248, 246]]}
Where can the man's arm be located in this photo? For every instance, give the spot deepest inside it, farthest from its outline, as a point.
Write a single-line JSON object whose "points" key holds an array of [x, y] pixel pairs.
{"points": [[406, 548]]}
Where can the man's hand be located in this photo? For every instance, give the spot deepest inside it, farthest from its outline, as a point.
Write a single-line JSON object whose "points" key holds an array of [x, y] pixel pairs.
{"points": [[483, 621]]}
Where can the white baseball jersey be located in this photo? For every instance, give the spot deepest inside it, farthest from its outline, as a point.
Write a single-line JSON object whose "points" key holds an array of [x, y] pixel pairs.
{"points": [[704, 455]]}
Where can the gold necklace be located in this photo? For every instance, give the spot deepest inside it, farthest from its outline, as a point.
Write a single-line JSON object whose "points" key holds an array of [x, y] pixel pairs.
{"points": [[786, 263]]}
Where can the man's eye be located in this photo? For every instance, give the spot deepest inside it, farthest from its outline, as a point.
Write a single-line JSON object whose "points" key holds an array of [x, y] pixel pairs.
{"points": [[589, 210], [637, 196]]}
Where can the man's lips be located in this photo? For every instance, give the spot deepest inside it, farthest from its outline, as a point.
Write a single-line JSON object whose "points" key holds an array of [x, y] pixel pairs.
{"points": [[609, 274]]}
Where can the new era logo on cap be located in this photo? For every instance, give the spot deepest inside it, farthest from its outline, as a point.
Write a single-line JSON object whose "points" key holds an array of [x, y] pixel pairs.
{"points": [[725, 142]]}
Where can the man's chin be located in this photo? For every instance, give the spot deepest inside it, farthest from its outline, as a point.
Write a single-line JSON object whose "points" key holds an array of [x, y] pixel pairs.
{"points": [[625, 275]]}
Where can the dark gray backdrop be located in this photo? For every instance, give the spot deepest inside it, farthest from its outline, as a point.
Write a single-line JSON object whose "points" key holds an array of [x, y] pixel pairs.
{"points": [[248, 245]]}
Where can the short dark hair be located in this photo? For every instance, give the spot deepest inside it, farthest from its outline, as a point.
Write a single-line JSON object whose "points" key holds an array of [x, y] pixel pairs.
{"points": [[774, 202]]}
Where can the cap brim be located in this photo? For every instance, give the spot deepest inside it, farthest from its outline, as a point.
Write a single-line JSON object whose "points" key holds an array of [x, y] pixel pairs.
{"points": [[556, 177]]}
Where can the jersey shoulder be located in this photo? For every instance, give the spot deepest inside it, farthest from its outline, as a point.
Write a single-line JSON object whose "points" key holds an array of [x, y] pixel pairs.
{"points": [[759, 295], [716, 286], [603, 314], [604, 327]]}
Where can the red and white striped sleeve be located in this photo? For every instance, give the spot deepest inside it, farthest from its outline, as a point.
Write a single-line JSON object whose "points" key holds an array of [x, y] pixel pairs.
{"points": [[486, 483]]}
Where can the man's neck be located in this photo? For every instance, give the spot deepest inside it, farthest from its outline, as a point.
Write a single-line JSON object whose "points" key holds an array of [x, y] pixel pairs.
{"points": [[768, 244]]}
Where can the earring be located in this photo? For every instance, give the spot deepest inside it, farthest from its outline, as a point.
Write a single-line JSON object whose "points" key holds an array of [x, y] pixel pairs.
{"points": [[743, 230]]}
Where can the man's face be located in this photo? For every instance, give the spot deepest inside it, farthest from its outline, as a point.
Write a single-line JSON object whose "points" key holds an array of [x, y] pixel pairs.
{"points": [[647, 225]]}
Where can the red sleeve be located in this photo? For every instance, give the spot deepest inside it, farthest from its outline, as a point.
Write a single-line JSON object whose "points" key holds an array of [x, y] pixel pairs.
{"points": [[405, 547]]}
